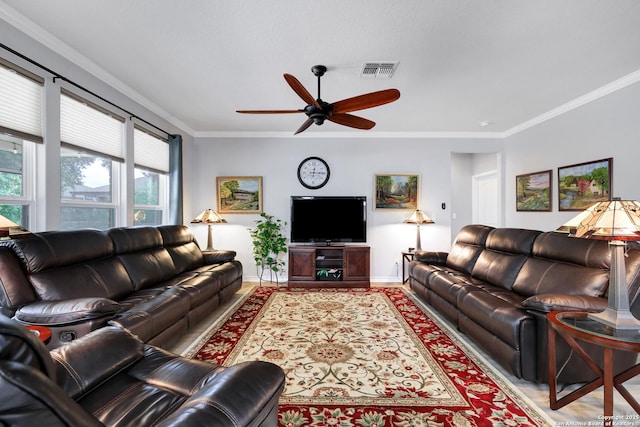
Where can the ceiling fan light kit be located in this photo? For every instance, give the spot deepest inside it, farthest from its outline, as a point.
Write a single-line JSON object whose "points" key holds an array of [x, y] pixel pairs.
{"points": [[318, 111]]}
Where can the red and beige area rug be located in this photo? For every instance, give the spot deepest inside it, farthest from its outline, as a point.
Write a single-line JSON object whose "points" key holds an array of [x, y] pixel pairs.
{"points": [[365, 357]]}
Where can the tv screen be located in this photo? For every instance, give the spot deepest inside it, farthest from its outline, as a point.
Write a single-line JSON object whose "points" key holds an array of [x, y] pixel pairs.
{"points": [[328, 219]]}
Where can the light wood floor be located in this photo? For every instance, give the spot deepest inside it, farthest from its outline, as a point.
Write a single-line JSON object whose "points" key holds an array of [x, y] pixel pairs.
{"points": [[586, 411]]}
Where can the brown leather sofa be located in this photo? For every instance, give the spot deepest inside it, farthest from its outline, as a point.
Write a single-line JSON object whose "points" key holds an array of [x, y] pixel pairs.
{"points": [[153, 281], [497, 284], [111, 378]]}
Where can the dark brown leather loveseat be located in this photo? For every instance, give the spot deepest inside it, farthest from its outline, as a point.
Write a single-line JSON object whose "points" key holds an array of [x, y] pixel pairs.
{"points": [[111, 378], [153, 281], [497, 284]]}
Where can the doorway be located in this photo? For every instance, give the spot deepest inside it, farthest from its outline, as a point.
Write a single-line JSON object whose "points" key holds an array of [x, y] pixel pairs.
{"points": [[485, 200]]}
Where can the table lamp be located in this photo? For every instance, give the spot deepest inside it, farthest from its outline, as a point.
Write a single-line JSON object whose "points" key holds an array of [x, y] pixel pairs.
{"points": [[418, 217], [5, 225], [616, 221], [209, 216]]}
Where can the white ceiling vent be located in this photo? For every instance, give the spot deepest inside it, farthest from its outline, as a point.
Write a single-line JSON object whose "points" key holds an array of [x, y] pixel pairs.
{"points": [[378, 70]]}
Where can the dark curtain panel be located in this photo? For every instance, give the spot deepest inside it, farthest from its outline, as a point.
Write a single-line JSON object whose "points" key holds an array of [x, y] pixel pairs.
{"points": [[175, 179]]}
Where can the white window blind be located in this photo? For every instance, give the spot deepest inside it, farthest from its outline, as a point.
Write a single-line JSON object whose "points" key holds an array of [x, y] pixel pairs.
{"points": [[150, 152], [20, 105], [83, 125]]}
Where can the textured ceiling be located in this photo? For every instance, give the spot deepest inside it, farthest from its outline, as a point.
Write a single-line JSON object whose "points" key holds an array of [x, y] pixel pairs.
{"points": [[461, 62]]}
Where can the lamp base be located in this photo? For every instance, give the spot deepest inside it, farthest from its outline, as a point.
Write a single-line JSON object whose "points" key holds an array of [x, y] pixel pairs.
{"points": [[617, 319]]}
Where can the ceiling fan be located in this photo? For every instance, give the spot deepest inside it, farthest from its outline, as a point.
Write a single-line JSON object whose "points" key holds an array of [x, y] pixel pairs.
{"points": [[318, 110]]}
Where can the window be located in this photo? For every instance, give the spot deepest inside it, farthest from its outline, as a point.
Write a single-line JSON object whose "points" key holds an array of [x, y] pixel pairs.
{"points": [[20, 124], [14, 183], [90, 156], [151, 166]]}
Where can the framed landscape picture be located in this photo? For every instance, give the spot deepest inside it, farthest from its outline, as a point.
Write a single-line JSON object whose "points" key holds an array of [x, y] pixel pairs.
{"points": [[239, 194], [396, 191], [533, 191], [583, 184]]}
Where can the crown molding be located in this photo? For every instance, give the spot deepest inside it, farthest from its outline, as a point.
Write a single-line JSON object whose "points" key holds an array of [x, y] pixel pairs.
{"points": [[605, 90]]}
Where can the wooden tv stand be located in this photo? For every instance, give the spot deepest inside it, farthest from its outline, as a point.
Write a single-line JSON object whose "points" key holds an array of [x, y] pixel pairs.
{"points": [[329, 266]]}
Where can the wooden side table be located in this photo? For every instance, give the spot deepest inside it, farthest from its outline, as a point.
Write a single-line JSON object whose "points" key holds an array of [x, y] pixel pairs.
{"points": [[407, 257], [575, 326]]}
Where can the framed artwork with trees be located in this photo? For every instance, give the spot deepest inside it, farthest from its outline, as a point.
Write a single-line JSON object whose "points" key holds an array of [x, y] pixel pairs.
{"points": [[533, 191], [239, 194], [396, 191], [583, 184]]}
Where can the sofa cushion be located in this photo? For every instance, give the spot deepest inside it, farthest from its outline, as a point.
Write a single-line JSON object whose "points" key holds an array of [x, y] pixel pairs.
{"points": [[469, 244], [497, 310], [506, 251], [541, 276], [592, 253], [105, 277], [51, 249], [179, 242], [15, 289]]}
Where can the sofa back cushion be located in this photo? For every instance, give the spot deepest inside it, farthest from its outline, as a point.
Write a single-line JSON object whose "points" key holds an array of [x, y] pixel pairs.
{"points": [[506, 250], [567, 265], [178, 240], [141, 252], [72, 264], [467, 247], [15, 289]]}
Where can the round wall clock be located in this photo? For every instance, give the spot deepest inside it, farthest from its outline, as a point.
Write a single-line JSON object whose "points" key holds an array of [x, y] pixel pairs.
{"points": [[313, 172]]}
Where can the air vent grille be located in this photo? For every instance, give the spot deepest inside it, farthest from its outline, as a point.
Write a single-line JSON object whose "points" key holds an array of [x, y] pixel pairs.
{"points": [[378, 70]]}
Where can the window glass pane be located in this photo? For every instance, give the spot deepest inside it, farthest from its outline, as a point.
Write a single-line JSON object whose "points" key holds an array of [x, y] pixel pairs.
{"points": [[149, 200], [74, 218], [147, 189], [85, 177], [11, 183]]}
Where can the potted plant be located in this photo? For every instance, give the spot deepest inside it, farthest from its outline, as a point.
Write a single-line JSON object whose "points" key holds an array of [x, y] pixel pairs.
{"points": [[269, 243]]}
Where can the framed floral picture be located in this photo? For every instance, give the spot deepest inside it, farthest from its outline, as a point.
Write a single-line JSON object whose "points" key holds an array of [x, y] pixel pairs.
{"points": [[533, 191], [583, 184], [239, 194], [396, 191]]}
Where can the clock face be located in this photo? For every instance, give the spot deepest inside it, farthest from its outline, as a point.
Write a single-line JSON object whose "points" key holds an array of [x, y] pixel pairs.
{"points": [[313, 172]]}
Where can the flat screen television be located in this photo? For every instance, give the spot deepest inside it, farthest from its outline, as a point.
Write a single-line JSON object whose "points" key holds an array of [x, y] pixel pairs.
{"points": [[328, 219]]}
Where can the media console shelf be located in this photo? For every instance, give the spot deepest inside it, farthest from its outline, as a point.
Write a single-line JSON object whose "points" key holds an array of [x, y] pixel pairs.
{"points": [[329, 266]]}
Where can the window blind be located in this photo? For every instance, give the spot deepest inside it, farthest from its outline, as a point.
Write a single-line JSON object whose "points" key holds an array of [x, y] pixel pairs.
{"points": [[150, 151], [21, 105], [87, 126]]}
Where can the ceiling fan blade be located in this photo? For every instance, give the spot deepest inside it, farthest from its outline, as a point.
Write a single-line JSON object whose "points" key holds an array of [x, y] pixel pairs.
{"points": [[352, 121], [301, 90], [269, 111], [304, 126], [367, 100]]}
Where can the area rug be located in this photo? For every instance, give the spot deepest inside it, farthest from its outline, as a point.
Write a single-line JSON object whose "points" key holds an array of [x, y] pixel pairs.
{"points": [[365, 357]]}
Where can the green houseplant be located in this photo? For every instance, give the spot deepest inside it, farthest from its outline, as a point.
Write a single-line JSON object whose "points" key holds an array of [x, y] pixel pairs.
{"points": [[269, 243]]}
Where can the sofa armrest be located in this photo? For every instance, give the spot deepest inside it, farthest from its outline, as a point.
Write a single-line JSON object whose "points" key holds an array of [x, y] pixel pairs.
{"points": [[65, 312], [218, 256], [428, 257], [242, 394], [547, 303], [88, 361]]}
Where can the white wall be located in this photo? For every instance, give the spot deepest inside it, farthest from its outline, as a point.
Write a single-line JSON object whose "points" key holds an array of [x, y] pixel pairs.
{"points": [[607, 127], [353, 163]]}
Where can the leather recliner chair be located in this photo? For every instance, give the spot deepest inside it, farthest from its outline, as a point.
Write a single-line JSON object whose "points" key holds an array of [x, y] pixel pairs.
{"points": [[109, 377]]}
